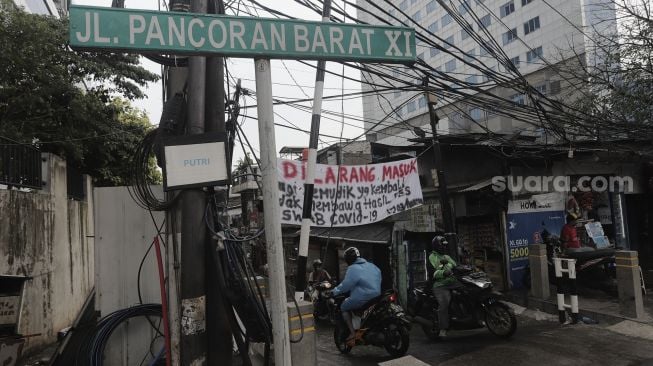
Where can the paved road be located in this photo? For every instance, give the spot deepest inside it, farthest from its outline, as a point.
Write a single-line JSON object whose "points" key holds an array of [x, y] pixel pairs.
{"points": [[535, 343]]}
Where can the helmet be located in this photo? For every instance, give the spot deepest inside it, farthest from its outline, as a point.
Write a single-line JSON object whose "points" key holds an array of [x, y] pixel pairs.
{"points": [[317, 263], [351, 254], [440, 244]]}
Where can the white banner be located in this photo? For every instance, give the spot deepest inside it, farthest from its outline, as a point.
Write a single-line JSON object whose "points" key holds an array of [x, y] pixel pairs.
{"points": [[355, 195]]}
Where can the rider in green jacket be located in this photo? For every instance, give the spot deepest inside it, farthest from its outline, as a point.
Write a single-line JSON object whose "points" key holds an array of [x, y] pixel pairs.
{"points": [[443, 266]]}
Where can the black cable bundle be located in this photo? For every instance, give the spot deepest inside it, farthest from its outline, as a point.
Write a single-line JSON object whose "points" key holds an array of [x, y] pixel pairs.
{"points": [[111, 322], [140, 189]]}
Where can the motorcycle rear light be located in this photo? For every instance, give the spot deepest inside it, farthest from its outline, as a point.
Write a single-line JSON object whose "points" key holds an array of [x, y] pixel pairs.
{"points": [[393, 298]]}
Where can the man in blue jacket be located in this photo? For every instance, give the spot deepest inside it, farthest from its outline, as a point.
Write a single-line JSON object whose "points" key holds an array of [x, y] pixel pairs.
{"points": [[362, 281]]}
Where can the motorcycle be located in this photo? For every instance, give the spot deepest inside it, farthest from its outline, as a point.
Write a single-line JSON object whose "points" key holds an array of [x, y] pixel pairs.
{"points": [[474, 305], [595, 269], [380, 322], [323, 309]]}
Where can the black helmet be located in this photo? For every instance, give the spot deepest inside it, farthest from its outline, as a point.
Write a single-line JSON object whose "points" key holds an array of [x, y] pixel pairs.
{"points": [[440, 244], [351, 254], [317, 263]]}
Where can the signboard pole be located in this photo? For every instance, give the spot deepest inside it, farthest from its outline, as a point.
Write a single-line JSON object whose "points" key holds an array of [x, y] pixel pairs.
{"points": [[272, 217], [193, 342], [300, 278]]}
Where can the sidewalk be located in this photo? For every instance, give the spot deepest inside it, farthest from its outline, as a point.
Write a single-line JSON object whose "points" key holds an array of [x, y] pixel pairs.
{"points": [[596, 306]]}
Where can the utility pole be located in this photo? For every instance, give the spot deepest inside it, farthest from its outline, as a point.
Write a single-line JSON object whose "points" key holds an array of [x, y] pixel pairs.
{"points": [[276, 272], [311, 161], [193, 340], [447, 215], [218, 330]]}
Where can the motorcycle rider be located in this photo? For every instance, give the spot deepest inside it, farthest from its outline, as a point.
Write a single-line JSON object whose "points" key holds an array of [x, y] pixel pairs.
{"points": [[362, 281], [443, 266], [319, 274]]}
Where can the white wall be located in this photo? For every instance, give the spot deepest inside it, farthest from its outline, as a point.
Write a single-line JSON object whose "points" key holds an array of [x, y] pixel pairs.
{"points": [[123, 233]]}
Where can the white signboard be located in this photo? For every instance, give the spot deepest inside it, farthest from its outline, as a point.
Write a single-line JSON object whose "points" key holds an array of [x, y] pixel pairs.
{"points": [[538, 203], [195, 165], [349, 195]]}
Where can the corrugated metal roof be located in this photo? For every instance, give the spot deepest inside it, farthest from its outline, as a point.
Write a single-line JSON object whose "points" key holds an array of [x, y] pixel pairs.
{"points": [[478, 186], [378, 233]]}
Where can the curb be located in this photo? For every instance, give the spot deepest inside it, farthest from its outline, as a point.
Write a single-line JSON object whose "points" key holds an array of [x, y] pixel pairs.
{"points": [[550, 307]]}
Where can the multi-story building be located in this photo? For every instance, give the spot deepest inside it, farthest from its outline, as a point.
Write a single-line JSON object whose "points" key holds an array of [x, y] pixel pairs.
{"points": [[543, 39], [44, 7]]}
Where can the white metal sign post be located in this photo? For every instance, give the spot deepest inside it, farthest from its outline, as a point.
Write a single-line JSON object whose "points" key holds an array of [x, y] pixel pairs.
{"points": [[272, 215]]}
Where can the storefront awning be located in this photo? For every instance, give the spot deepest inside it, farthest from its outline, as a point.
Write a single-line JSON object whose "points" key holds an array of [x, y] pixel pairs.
{"points": [[371, 233], [477, 186]]}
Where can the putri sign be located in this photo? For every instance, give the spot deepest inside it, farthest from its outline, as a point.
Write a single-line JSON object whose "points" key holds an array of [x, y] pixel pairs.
{"points": [[172, 32]]}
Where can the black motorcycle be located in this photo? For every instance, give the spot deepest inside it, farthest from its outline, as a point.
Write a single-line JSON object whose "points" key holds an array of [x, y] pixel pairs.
{"points": [[595, 269], [323, 309], [473, 305], [381, 322]]}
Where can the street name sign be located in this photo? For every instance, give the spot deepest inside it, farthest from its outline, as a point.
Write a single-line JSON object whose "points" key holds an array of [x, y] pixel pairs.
{"points": [[209, 34]]}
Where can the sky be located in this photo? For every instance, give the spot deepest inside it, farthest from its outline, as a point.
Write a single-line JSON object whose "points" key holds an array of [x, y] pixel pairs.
{"points": [[291, 80]]}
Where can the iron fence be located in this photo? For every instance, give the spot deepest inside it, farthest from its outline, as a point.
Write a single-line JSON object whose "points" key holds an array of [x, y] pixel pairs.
{"points": [[20, 165]]}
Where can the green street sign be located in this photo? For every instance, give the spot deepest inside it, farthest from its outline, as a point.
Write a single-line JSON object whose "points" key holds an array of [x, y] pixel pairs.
{"points": [[208, 34]]}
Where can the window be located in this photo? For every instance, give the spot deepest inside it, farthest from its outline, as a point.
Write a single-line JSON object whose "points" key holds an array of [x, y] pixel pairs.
{"points": [[476, 113], [403, 5], [515, 61], [465, 32], [430, 7], [487, 75], [507, 9], [534, 54], [541, 88], [509, 36], [410, 107], [464, 7], [518, 99], [417, 16], [484, 22], [471, 79], [434, 51], [421, 102], [526, 2], [555, 87], [532, 25], [450, 66], [433, 27], [446, 20], [448, 42], [469, 56], [484, 50], [400, 112], [412, 2]]}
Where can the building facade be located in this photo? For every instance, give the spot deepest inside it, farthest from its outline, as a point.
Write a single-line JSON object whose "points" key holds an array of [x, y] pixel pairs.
{"points": [[542, 39]]}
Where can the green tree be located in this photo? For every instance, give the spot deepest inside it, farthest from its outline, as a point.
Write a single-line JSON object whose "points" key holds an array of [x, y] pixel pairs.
{"points": [[73, 103], [619, 80]]}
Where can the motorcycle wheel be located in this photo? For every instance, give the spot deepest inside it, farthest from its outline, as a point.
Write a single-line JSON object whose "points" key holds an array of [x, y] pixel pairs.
{"points": [[340, 334], [500, 321], [397, 339]]}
